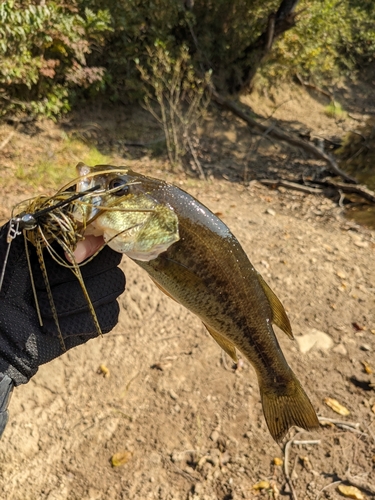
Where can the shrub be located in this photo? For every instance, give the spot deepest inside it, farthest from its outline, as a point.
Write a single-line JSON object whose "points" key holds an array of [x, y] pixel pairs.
{"points": [[43, 51], [176, 97]]}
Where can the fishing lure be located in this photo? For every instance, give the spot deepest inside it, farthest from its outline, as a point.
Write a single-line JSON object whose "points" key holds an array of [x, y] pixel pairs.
{"points": [[53, 221]]}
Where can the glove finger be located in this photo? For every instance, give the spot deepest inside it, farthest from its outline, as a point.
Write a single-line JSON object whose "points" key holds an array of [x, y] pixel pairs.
{"points": [[69, 298], [105, 260], [82, 324]]}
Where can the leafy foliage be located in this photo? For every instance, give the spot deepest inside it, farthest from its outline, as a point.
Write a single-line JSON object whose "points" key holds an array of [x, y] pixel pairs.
{"points": [[331, 38], [51, 51], [43, 50]]}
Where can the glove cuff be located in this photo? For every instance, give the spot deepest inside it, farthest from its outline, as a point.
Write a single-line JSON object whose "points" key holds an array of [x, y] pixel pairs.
{"points": [[6, 388]]}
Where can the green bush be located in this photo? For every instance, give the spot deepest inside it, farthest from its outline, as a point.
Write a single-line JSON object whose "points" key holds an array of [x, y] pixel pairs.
{"points": [[331, 38], [52, 52], [43, 52]]}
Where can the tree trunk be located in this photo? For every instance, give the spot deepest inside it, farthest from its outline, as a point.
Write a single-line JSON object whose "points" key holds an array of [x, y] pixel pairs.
{"points": [[253, 55]]}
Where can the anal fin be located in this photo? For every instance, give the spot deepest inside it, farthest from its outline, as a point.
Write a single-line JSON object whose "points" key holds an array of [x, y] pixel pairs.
{"points": [[225, 344], [279, 316]]}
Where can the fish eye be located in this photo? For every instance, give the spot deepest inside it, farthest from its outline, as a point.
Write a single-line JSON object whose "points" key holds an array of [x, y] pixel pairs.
{"points": [[119, 187]]}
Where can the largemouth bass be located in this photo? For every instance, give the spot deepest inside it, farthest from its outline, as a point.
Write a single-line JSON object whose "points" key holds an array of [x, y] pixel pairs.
{"points": [[208, 272]]}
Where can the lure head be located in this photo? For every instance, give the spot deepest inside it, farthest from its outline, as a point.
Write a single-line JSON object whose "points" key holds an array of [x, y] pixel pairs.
{"points": [[125, 211]]}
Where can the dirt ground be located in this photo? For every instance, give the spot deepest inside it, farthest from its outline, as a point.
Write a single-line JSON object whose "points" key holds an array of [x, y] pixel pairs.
{"points": [[192, 423]]}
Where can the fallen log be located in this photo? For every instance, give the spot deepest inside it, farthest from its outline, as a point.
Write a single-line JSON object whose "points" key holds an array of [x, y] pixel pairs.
{"points": [[279, 134]]}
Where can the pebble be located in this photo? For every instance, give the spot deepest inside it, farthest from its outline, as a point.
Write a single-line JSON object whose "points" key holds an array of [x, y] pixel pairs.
{"points": [[173, 395], [214, 436], [340, 349], [178, 456], [198, 487], [365, 347], [314, 339], [361, 244], [270, 211]]}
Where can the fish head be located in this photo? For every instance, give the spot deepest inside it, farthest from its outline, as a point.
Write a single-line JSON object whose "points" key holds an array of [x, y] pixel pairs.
{"points": [[124, 209]]}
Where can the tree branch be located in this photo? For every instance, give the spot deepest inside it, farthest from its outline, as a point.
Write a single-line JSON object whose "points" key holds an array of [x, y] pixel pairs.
{"points": [[279, 134]]}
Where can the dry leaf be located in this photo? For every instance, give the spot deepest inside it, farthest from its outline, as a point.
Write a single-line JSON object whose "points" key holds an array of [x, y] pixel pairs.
{"points": [[336, 406], [261, 485], [367, 367], [121, 458], [103, 370], [358, 327], [350, 492], [278, 461], [373, 409]]}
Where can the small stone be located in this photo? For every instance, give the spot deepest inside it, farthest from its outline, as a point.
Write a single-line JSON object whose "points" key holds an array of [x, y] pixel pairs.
{"points": [[270, 211], [314, 339], [340, 349], [198, 488], [214, 436], [341, 274], [178, 456], [360, 243], [365, 347], [173, 395]]}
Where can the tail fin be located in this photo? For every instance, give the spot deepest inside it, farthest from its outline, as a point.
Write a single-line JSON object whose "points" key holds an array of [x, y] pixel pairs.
{"points": [[287, 408]]}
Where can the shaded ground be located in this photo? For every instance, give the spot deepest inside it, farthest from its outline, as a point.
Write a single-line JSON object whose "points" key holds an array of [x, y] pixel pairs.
{"points": [[192, 422]]}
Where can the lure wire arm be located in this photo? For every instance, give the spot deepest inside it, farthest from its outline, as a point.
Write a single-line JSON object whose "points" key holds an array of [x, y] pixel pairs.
{"points": [[28, 222]]}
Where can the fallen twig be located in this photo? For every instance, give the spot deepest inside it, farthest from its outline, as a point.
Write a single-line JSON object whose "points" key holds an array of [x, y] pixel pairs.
{"points": [[286, 460], [313, 87], [335, 483], [291, 185], [360, 190], [341, 188], [359, 483], [281, 135], [347, 426], [6, 140], [355, 425], [307, 441], [286, 470]]}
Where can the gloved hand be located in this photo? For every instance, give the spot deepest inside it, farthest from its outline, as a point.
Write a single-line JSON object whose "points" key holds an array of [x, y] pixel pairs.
{"points": [[24, 344]]}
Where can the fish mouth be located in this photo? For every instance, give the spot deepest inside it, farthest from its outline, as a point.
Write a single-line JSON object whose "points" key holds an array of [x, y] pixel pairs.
{"points": [[126, 211]]}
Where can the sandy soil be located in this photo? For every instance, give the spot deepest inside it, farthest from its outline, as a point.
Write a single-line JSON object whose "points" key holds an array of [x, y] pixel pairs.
{"points": [[191, 421]]}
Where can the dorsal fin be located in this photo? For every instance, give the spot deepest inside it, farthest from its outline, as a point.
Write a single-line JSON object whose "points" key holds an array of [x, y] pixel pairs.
{"points": [[223, 342], [279, 316]]}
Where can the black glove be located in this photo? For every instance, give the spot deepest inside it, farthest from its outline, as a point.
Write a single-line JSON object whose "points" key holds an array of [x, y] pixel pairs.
{"points": [[24, 344]]}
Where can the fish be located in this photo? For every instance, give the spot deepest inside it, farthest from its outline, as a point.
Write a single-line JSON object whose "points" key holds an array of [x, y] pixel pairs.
{"points": [[209, 273]]}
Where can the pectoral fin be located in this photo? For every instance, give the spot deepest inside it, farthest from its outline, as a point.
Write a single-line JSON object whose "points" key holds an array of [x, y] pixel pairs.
{"points": [[227, 346], [279, 316]]}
